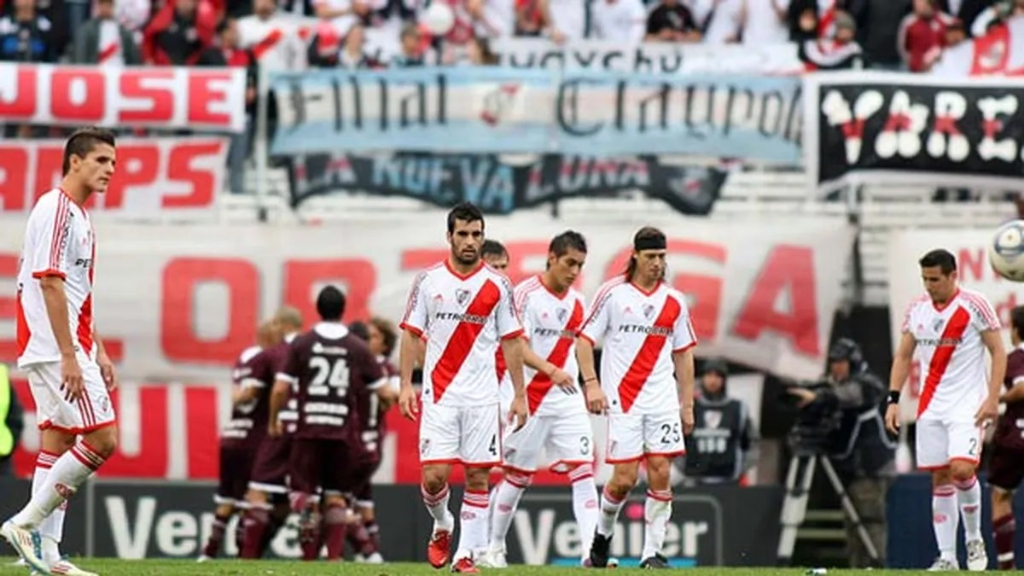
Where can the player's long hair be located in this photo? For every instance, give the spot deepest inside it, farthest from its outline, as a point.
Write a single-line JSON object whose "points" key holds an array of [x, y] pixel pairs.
{"points": [[641, 234]]}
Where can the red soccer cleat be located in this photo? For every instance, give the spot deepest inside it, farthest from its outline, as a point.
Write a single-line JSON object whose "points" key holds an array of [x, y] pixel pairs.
{"points": [[439, 548], [465, 566]]}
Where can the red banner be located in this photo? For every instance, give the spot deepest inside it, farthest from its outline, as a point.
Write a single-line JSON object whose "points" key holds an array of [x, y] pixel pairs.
{"points": [[162, 97], [156, 176]]}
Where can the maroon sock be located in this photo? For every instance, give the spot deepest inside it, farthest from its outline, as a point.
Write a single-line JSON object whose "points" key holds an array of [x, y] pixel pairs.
{"points": [[359, 538], [1003, 533], [373, 530], [334, 531], [257, 522], [309, 536], [212, 548]]}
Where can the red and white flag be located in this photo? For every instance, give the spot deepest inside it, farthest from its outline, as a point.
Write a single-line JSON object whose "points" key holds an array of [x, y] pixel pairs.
{"points": [[998, 53]]}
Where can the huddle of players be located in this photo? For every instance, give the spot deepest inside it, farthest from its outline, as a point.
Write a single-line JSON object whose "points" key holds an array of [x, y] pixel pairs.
{"points": [[467, 312], [304, 434]]}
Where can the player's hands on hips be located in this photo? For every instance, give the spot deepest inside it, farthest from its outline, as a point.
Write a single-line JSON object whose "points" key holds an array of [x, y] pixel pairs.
{"points": [[563, 380], [72, 383], [892, 419], [275, 428], [518, 412], [988, 412], [107, 371], [597, 403], [407, 403], [686, 415]]}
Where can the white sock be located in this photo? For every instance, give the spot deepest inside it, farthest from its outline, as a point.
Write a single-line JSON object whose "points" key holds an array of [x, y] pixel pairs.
{"points": [[473, 526], [66, 475], [609, 513], [945, 518], [969, 497], [657, 511], [437, 505], [504, 504], [52, 528], [584, 505]]}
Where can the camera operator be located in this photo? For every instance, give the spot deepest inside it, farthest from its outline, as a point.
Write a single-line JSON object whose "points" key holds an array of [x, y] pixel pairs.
{"points": [[859, 448], [723, 445]]}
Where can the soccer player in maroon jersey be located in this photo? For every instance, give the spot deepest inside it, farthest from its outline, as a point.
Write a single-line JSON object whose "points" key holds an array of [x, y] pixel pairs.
{"points": [[245, 431], [267, 497], [1006, 468], [328, 367]]}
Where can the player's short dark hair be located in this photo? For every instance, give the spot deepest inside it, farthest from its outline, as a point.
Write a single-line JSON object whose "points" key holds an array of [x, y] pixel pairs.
{"points": [[466, 212], [224, 23], [388, 333], [359, 328], [944, 259], [645, 233], [563, 242], [82, 141], [492, 248], [1017, 321], [330, 304]]}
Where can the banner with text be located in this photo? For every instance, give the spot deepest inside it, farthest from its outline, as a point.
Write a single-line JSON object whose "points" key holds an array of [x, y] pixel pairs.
{"points": [[204, 99], [970, 248], [656, 57], [876, 127], [172, 176], [180, 305], [510, 110], [501, 186]]}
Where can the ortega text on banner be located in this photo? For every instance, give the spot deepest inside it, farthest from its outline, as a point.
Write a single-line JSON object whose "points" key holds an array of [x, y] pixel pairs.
{"points": [[153, 97], [876, 127], [508, 110], [500, 187], [183, 305], [179, 176]]}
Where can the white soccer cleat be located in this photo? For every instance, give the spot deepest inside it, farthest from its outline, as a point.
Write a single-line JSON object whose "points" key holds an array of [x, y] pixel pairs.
{"points": [[65, 568], [24, 544], [492, 558], [203, 558], [943, 565], [374, 558], [977, 557]]}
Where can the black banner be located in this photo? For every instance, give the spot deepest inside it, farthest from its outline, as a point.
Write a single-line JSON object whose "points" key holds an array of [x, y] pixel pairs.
{"points": [[500, 187], [877, 128]]}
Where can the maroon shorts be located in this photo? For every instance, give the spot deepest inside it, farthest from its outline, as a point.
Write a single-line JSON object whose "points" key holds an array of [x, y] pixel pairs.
{"points": [[235, 465], [1006, 467], [270, 466], [320, 464], [362, 491]]}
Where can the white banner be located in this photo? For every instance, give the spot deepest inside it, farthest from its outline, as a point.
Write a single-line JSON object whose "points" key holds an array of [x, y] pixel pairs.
{"points": [[970, 248], [155, 176], [179, 304], [670, 58], [155, 97]]}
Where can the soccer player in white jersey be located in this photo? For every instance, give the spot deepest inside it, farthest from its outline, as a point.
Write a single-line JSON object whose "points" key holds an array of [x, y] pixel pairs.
{"points": [[551, 312], [646, 387], [950, 328], [465, 308], [68, 369]]}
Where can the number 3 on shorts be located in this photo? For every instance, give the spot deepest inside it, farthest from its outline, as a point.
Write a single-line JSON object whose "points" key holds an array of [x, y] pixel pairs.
{"points": [[670, 433]]}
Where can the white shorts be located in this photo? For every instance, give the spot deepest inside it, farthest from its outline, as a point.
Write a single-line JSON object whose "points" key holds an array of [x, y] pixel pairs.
{"points": [[940, 442], [470, 436], [631, 437], [565, 440], [93, 410]]}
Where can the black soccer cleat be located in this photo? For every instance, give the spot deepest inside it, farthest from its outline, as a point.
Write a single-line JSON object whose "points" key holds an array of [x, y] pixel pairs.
{"points": [[599, 550], [656, 562]]}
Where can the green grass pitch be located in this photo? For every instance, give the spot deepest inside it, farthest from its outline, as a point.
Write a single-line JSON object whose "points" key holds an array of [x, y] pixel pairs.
{"points": [[108, 567]]}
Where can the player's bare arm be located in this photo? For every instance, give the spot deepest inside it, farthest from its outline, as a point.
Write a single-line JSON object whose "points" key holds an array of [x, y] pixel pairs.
{"points": [[683, 361], [897, 376], [57, 311], [278, 398], [559, 377], [512, 348], [989, 410], [408, 353], [107, 370], [596, 401]]}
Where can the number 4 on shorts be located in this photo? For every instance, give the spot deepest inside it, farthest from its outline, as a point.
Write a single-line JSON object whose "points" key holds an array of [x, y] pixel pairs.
{"points": [[494, 445]]}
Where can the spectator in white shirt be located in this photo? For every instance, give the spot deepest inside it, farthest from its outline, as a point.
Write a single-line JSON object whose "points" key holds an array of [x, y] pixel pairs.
{"points": [[273, 37], [619, 21], [764, 22], [566, 19], [725, 22], [492, 18], [104, 41]]}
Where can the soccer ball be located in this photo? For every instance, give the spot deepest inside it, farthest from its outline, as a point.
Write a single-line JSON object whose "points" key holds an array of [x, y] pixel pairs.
{"points": [[1006, 251], [438, 18]]}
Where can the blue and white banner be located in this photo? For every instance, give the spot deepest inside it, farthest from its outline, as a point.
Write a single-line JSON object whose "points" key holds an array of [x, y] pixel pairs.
{"points": [[505, 110]]}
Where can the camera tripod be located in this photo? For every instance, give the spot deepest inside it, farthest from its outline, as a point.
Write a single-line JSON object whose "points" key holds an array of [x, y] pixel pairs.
{"points": [[794, 507]]}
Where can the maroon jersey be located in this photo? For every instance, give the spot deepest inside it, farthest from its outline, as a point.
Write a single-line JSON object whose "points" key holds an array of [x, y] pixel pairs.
{"points": [[248, 425], [1010, 430], [371, 413], [329, 367]]}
